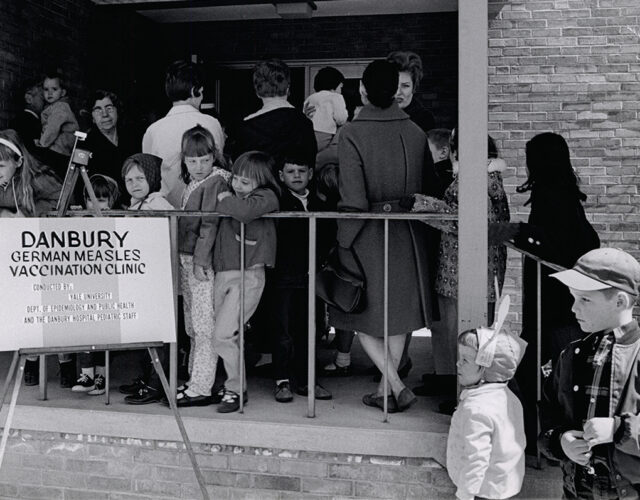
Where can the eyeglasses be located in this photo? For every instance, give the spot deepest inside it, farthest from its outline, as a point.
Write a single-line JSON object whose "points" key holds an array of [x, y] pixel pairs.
{"points": [[109, 109]]}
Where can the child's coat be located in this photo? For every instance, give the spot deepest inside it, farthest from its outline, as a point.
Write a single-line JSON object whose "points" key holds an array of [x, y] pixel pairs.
{"points": [[485, 448]]}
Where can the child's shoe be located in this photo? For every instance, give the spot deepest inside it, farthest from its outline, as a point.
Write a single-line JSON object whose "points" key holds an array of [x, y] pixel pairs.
{"points": [[145, 395], [99, 386], [320, 392], [84, 383], [283, 392], [31, 372], [133, 387], [231, 402], [67, 374]]}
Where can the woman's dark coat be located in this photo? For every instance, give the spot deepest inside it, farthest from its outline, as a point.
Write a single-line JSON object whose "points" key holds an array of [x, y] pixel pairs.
{"points": [[382, 158]]}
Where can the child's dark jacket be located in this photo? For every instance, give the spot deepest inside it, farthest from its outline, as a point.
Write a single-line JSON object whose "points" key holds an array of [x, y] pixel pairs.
{"points": [[563, 409], [292, 257], [260, 234]]}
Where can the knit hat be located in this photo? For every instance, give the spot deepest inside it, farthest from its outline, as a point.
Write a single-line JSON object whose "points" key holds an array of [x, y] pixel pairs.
{"points": [[150, 166]]}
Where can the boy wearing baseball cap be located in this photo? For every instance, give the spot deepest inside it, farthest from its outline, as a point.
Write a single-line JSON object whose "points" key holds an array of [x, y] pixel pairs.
{"points": [[590, 405]]}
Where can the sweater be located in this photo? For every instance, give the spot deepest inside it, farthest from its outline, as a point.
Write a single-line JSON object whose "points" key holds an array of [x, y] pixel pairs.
{"points": [[260, 234], [58, 125], [330, 111], [197, 235], [284, 133]]}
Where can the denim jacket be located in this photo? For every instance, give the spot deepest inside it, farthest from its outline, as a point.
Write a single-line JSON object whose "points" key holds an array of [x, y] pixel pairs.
{"points": [[561, 402]]}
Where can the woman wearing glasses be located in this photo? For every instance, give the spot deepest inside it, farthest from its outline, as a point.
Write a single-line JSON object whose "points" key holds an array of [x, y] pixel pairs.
{"points": [[106, 140]]}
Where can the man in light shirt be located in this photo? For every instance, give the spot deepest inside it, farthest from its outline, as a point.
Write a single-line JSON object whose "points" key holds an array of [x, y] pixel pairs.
{"points": [[183, 86]]}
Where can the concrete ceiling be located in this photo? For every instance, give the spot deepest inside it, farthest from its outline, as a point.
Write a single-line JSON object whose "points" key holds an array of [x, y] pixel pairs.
{"points": [[182, 11]]}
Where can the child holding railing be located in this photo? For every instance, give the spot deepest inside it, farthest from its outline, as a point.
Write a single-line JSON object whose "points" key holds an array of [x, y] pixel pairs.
{"points": [[254, 194]]}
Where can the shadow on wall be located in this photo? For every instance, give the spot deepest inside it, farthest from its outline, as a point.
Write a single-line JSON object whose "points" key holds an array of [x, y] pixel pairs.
{"points": [[496, 6]]}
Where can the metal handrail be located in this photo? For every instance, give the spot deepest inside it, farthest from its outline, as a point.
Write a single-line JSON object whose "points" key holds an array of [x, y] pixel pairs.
{"points": [[539, 263], [173, 215]]}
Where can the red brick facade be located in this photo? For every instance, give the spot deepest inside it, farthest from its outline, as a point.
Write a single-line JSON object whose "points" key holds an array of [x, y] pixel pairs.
{"points": [[38, 35], [571, 67]]}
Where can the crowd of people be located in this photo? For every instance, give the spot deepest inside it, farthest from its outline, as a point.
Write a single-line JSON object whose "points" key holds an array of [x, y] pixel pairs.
{"points": [[388, 158]]}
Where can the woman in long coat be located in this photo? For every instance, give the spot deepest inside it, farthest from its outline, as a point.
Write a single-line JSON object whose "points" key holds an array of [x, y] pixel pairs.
{"points": [[382, 157]]}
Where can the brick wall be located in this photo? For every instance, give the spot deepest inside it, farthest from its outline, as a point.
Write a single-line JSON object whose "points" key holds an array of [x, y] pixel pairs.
{"points": [[70, 466], [37, 35], [571, 67]]}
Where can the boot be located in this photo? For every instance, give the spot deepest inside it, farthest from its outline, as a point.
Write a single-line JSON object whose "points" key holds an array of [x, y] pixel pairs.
{"points": [[31, 372]]}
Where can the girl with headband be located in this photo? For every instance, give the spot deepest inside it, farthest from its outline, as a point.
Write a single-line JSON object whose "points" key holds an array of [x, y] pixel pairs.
{"points": [[29, 189]]}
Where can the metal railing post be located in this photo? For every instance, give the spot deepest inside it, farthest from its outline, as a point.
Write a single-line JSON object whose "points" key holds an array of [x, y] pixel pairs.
{"points": [[241, 323], [385, 381], [311, 323], [538, 351], [175, 268]]}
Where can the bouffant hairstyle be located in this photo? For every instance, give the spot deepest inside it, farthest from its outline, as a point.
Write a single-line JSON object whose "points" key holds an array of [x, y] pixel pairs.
{"points": [[182, 78], [380, 80], [409, 62], [328, 78], [271, 78]]}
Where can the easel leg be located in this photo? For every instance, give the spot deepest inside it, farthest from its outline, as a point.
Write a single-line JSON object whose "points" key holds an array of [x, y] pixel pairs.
{"points": [[42, 359], [107, 377], [185, 438], [12, 407], [10, 374]]}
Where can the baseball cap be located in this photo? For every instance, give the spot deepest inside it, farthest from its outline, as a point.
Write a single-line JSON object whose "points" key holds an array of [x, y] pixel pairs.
{"points": [[603, 268]]}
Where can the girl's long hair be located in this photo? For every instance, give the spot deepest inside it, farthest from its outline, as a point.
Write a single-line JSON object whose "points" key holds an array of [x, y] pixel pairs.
{"points": [[196, 142], [29, 169], [258, 166], [549, 166]]}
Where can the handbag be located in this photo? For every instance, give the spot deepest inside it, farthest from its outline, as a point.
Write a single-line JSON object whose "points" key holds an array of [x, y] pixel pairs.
{"points": [[340, 287]]}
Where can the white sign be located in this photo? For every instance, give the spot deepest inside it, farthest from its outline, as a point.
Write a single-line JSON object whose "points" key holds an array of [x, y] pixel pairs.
{"points": [[85, 281]]}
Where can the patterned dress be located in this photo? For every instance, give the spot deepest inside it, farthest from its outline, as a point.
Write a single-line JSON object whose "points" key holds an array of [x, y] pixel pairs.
{"points": [[498, 211]]}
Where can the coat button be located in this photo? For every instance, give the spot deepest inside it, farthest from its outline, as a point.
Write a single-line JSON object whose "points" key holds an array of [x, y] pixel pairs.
{"points": [[623, 492], [575, 388], [386, 207], [577, 351], [530, 240], [618, 477]]}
